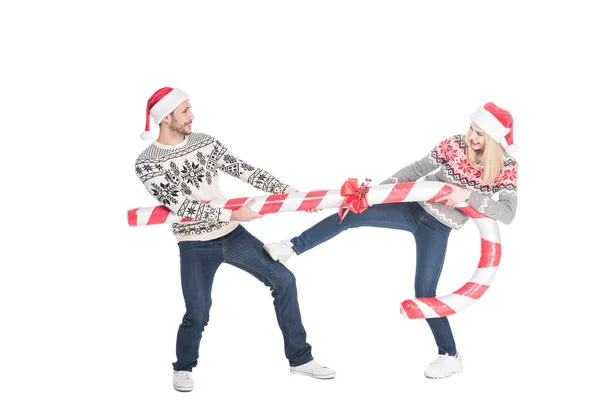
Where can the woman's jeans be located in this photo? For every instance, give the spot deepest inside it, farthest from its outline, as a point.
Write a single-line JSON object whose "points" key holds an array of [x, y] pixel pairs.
{"points": [[431, 237], [199, 262]]}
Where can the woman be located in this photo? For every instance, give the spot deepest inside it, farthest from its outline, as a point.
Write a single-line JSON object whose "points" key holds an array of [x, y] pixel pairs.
{"points": [[477, 166]]}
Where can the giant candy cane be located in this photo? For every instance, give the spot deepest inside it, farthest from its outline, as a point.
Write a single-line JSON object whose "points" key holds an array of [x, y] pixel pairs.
{"points": [[353, 197]]}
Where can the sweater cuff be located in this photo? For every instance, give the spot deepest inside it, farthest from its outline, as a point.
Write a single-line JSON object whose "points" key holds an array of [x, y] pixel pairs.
{"points": [[225, 215]]}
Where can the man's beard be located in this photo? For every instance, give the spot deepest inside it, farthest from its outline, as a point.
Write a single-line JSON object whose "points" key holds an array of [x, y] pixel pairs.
{"points": [[179, 128]]}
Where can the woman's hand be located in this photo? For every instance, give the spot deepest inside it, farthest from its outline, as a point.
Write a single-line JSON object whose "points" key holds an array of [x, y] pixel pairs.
{"points": [[457, 196]]}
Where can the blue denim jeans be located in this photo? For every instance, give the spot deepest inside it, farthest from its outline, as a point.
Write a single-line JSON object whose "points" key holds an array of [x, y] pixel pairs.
{"points": [[431, 237], [199, 261]]}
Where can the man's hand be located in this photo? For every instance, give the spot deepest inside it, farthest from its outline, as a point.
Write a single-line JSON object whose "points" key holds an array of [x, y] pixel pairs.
{"points": [[457, 196], [245, 213]]}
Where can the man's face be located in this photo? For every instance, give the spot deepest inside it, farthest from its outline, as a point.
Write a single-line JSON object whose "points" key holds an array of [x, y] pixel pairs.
{"points": [[181, 120]]}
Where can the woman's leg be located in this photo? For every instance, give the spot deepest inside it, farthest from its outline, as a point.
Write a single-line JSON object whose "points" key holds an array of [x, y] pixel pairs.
{"points": [[431, 238], [392, 216]]}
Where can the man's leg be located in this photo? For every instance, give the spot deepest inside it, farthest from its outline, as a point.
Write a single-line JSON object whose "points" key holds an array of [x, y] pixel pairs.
{"points": [[245, 252], [199, 262]]}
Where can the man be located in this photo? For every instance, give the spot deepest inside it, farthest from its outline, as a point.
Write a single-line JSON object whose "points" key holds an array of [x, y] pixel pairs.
{"points": [[180, 169]]}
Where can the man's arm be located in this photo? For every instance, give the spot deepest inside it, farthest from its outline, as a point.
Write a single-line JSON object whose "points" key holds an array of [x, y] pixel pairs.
{"points": [[259, 178], [166, 191]]}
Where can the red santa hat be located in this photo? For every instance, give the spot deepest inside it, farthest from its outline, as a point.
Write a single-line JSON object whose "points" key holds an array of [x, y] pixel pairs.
{"points": [[497, 123], [161, 104]]}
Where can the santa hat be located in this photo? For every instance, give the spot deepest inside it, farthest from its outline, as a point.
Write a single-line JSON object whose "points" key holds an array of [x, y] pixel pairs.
{"points": [[161, 104], [497, 123]]}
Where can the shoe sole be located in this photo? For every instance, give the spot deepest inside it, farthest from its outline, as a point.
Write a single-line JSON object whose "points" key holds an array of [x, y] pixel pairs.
{"points": [[330, 376], [182, 389], [443, 377]]}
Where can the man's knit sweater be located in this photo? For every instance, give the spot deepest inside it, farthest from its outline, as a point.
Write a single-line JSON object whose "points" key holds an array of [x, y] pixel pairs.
{"points": [[450, 160], [185, 176]]}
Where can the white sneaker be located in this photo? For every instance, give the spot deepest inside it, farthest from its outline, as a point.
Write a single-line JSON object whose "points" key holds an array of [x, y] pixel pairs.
{"points": [[280, 251], [183, 381], [444, 366], [313, 369]]}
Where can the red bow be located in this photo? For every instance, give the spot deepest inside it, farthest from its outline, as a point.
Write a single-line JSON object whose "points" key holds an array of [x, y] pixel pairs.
{"points": [[355, 197]]}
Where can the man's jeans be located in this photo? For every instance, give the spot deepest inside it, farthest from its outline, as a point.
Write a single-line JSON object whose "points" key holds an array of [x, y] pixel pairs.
{"points": [[199, 263], [431, 237]]}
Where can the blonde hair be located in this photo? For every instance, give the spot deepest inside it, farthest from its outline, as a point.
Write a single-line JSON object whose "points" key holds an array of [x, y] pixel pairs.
{"points": [[492, 161]]}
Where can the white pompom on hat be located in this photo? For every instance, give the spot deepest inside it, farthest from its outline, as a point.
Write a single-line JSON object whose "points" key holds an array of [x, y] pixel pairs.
{"points": [[161, 104], [497, 123]]}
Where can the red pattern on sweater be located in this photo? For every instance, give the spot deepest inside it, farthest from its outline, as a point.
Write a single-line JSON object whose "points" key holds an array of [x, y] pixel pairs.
{"points": [[453, 153]]}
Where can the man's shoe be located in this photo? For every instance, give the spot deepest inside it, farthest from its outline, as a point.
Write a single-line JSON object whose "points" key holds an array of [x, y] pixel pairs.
{"points": [[444, 366], [280, 251], [183, 381], [312, 368]]}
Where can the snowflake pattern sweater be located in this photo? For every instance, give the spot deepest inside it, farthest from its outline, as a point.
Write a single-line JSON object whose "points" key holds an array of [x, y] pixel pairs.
{"points": [[497, 200], [183, 176]]}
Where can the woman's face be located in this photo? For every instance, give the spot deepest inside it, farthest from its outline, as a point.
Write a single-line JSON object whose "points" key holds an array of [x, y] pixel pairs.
{"points": [[476, 137]]}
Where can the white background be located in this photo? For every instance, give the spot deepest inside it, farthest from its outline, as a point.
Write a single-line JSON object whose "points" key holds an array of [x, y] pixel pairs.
{"points": [[314, 92]]}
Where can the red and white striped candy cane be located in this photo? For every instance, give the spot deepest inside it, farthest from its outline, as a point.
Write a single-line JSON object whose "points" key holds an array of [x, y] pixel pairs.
{"points": [[423, 307], [434, 307], [299, 201]]}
